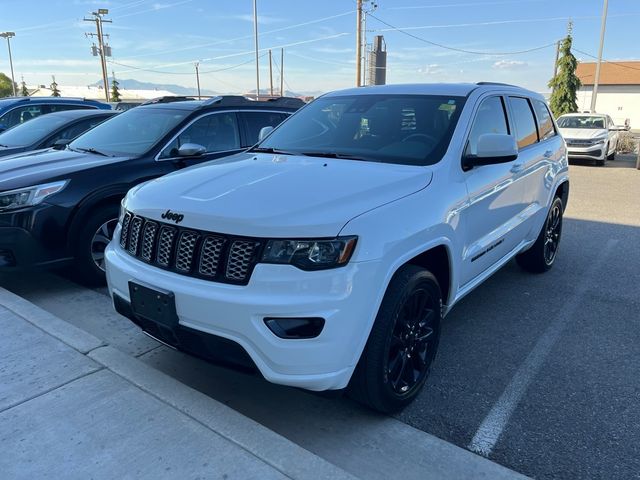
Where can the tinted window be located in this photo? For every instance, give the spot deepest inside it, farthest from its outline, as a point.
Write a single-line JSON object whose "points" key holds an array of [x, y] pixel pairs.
{"points": [[76, 129], [131, 133], [545, 124], [400, 129], [216, 133], [62, 107], [524, 122], [22, 114], [36, 130], [490, 118], [255, 121]]}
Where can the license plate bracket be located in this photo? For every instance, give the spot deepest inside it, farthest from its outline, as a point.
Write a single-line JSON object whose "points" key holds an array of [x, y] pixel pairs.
{"points": [[153, 304]]}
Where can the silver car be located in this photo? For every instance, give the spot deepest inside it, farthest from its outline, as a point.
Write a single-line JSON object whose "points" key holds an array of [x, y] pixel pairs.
{"points": [[591, 136]]}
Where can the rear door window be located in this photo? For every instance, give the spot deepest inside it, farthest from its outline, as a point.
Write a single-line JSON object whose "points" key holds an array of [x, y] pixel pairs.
{"points": [[526, 132], [22, 114], [60, 107], [545, 124]]}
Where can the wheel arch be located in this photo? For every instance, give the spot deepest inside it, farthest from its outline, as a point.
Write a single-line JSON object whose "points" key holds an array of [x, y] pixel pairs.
{"points": [[562, 191]]}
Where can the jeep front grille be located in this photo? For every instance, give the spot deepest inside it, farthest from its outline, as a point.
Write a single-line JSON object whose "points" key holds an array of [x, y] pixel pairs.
{"points": [[186, 251]]}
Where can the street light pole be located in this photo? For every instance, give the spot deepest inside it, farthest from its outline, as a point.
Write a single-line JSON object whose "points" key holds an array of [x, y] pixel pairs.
{"points": [[596, 81], [255, 34], [9, 35]]}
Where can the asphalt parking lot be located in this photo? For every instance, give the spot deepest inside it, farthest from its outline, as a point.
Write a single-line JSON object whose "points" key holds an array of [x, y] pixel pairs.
{"points": [[537, 372]]}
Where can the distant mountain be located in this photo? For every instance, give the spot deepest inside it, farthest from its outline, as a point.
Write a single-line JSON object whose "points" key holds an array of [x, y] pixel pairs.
{"points": [[131, 84]]}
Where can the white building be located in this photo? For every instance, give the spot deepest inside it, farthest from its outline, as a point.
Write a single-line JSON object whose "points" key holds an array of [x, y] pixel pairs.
{"points": [[618, 90], [97, 93]]}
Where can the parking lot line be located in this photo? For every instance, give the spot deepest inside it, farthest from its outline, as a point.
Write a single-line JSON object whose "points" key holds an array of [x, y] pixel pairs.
{"points": [[495, 422]]}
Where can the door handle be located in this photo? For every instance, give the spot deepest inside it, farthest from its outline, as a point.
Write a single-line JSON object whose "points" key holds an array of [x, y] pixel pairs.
{"points": [[548, 154], [517, 167]]}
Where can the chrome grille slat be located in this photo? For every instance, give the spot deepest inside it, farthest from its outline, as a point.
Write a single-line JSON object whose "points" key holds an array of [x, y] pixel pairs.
{"points": [[124, 232], [210, 255], [148, 240], [134, 237], [240, 259], [165, 245], [186, 247], [207, 255]]}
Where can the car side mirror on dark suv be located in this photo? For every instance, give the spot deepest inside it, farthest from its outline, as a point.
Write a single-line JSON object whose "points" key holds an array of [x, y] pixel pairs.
{"points": [[492, 148], [191, 150]]}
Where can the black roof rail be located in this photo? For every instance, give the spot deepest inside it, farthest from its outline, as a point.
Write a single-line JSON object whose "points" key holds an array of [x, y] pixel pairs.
{"points": [[497, 84], [168, 99], [239, 100]]}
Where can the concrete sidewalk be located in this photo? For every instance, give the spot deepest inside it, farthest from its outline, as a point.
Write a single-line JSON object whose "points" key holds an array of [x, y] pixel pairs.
{"points": [[72, 407]]}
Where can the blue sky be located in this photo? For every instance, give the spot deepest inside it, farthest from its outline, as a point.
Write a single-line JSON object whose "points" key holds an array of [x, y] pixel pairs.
{"points": [[168, 36]]}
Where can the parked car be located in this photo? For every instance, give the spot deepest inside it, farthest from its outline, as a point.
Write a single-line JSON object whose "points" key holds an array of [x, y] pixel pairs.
{"points": [[58, 207], [327, 254], [590, 136], [51, 130], [16, 110]]}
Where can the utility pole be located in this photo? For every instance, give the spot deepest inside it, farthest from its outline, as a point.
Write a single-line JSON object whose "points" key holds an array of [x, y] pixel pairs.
{"points": [[359, 43], [282, 72], [594, 94], [555, 65], [9, 35], [255, 36], [197, 65], [102, 48], [270, 75]]}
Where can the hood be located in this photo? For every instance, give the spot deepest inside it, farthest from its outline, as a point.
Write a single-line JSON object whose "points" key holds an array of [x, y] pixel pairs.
{"points": [[32, 168], [583, 133], [266, 195]]}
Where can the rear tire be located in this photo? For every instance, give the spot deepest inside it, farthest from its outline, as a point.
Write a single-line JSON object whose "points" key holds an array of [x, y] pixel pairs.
{"points": [[542, 255], [403, 342], [92, 240]]}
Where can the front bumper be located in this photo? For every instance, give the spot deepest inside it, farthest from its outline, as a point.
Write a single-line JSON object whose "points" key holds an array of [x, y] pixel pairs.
{"points": [[33, 237], [593, 152], [343, 297]]}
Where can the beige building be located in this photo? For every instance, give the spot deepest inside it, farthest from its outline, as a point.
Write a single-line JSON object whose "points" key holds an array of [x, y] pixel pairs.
{"points": [[618, 90]]}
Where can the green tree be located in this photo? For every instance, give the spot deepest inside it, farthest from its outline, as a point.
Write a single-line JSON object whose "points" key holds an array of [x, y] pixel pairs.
{"points": [[566, 83], [6, 89], [54, 88], [115, 90], [23, 89]]}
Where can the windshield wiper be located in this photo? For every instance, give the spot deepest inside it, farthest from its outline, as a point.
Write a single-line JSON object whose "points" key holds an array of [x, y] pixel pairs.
{"points": [[271, 150], [345, 156], [92, 150]]}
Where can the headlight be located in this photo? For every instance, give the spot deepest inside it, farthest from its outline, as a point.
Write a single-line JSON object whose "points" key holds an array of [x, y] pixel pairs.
{"points": [[596, 141], [310, 254], [29, 196]]}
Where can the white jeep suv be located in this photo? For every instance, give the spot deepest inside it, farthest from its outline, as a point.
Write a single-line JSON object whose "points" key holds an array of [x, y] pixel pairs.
{"points": [[327, 254]]}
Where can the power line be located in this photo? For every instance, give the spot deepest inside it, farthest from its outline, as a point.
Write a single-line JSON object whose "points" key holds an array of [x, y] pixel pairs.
{"points": [[607, 61], [185, 73], [455, 49]]}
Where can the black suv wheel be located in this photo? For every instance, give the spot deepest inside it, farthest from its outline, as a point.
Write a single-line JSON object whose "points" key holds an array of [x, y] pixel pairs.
{"points": [[94, 237], [403, 342]]}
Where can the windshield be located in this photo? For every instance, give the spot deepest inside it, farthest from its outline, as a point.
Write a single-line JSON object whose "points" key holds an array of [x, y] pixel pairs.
{"points": [[399, 129], [581, 122], [131, 133], [32, 132]]}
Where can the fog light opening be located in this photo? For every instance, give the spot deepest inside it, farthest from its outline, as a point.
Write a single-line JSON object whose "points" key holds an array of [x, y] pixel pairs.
{"points": [[295, 328]]}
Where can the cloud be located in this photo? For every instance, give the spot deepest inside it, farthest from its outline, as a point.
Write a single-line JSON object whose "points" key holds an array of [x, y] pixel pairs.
{"points": [[334, 50], [509, 64]]}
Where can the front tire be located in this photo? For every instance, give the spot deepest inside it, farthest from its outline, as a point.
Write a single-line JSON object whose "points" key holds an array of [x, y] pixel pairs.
{"points": [[542, 255], [402, 344], [93, 238]]}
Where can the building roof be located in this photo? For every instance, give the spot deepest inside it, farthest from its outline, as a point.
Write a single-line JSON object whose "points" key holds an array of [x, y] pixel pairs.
{"points": [[618, 73]]}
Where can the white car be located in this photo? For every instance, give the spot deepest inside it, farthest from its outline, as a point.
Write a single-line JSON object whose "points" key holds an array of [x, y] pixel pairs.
{"points": [[589, 135], [327, 254]]}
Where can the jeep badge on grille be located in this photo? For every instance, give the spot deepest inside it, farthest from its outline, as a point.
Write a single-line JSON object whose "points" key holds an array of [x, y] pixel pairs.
{"points": [[176, 217]]}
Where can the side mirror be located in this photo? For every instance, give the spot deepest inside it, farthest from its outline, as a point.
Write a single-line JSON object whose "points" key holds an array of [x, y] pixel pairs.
{"points": [[492, 148], [61, 143], [264, 131], [191, 150]]}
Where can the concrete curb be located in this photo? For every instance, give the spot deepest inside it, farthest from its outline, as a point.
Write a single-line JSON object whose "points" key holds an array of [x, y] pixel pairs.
{"points": [[65, 332], [270, 447]]}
